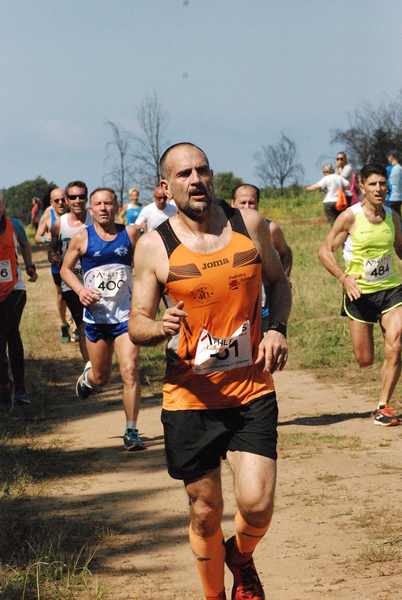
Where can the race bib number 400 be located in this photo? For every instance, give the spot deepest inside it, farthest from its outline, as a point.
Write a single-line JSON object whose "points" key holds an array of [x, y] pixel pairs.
{"points": [[223, 354], [107, 282], [5, 271], [376, 269]]}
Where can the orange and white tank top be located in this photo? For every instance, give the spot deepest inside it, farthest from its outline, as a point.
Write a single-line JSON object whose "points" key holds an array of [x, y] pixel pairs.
{"points": [[8, 261], [210, 363]]}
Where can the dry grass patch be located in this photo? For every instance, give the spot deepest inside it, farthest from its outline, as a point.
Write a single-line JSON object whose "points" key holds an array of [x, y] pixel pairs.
{"points": [[309, 442]]}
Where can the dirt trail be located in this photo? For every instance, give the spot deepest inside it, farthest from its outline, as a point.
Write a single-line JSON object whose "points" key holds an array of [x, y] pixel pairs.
{"points": [[337, 475]]}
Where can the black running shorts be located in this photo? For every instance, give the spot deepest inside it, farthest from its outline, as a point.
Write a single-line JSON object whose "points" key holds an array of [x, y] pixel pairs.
{"points": [[74, 306], [196, 440], [56, 279], [369, 308]]}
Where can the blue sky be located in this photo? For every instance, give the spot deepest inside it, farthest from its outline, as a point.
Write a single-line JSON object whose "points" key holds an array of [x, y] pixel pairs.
{"points": [[231, 74]]}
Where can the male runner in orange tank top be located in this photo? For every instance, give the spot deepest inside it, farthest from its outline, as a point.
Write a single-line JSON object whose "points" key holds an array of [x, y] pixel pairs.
{"points": [[218, 397]]}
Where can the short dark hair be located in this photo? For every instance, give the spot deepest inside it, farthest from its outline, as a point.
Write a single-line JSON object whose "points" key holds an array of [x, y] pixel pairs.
{"points": [[249, 185], [77, 183], [372, 169], [162, 160], [394, 154], [46, 196], [104, 189]]}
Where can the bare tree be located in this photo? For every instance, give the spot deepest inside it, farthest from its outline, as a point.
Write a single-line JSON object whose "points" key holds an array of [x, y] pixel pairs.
{"points": [[118, 158], [276, 164], [372, 131], [149, 143]]}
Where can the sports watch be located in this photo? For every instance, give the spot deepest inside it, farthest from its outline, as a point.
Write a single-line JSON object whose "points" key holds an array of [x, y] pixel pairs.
{"points": [[280, 326]]}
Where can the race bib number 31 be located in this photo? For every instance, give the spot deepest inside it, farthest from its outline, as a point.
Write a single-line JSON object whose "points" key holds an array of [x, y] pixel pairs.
{"points": [[376, 269], [5, 271], [223, 354]]}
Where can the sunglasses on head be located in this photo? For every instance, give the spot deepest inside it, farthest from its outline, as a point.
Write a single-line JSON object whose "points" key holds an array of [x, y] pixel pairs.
{"points": [[75, 196]]}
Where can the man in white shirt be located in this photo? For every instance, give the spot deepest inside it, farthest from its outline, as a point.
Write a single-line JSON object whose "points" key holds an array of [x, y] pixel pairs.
{"points": [[158, 211]]}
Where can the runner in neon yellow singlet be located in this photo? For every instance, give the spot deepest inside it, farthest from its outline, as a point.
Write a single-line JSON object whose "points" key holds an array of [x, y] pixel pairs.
{"points": [[371, 234]]}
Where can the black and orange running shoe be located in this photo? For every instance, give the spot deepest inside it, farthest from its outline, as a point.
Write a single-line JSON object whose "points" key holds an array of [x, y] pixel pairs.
{"points": [[246, 583]]}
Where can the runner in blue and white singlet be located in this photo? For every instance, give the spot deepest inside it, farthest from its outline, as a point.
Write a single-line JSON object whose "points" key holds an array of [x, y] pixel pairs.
{"points": [[106, 250], [48, 220], [107, 269]]}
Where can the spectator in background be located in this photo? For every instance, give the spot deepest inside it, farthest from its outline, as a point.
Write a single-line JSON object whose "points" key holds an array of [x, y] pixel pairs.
{"points": [[344, 169], [158, 211], [394, 174], [36, 212], [132, 209], [330, 183]]}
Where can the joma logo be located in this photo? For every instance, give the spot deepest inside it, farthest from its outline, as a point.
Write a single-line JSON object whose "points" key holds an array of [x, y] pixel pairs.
{"points": [[215, 263]]}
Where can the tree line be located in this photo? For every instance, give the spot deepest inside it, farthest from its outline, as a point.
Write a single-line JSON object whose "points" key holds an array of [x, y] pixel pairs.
{"points": [[133, 156]]}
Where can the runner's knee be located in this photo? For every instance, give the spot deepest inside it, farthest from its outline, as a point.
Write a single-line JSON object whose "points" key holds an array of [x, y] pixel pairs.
{"points": [[392, 349], [364, 358], [129, 374], [206, 515], [257, 511], [99, 377]]}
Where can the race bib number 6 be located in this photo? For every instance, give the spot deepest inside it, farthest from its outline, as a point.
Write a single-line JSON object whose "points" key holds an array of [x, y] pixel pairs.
{"points": [[376, 269], [5, 271], [223, 354]]}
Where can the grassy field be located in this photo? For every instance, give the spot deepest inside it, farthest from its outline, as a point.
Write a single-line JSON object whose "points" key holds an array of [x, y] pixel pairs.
{"points": [[38, 555]]}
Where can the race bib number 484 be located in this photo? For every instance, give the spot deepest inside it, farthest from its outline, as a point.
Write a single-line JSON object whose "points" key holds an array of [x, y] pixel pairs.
{"points": [[223, 354], [376, 269]]}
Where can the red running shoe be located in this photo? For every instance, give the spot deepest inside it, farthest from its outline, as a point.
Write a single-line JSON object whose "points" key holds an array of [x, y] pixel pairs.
{"points": [[246, 583], [386, 417]]}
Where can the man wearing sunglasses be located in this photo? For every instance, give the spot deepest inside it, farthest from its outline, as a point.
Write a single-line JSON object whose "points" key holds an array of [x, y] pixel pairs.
{"points": [[51, 215], [61, 233]]}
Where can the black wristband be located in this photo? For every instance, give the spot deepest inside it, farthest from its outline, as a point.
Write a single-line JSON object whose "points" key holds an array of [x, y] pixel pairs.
{"points": [[278, 326]]}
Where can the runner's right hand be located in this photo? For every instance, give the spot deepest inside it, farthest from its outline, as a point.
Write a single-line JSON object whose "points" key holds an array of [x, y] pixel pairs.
{"points": [[89, 296], [351, 288], [172, 319]]}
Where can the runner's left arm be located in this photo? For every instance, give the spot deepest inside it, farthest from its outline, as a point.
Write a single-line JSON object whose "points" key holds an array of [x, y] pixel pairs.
{"points": [[25, 248], [398, 234], [281, 246]]}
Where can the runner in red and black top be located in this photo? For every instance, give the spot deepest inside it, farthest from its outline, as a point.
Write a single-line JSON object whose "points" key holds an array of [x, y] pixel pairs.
{"points": [[12, 302]]}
